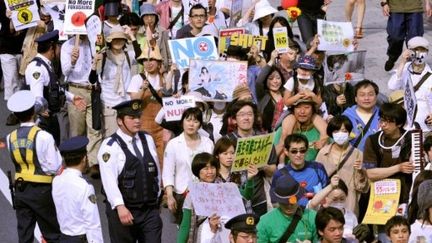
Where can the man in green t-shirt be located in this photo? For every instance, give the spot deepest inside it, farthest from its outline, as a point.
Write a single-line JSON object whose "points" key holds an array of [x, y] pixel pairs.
{"points": [[288, 221]]}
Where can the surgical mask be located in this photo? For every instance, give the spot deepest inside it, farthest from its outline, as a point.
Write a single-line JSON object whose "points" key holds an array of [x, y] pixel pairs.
{"points": [[304, 77], [338, 205], [340, 137]]}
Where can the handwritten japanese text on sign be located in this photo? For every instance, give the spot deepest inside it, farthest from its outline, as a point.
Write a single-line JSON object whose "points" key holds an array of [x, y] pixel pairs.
{"points": [[253, 151]]}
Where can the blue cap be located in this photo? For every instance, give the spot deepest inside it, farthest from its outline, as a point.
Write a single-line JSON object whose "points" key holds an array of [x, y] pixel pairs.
{"points": [[48, 37], [129, 107], [306, 62], [76, 144]]}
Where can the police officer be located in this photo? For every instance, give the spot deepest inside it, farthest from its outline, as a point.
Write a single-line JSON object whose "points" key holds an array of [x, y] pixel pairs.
{"points": [[74, 198], [36, 161], [44, 84], [130, 176], [243, 228]]}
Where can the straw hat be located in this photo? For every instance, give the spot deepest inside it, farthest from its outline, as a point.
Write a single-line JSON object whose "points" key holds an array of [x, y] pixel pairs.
{"points": [[117, 33], [150, 53], [262, 9]]}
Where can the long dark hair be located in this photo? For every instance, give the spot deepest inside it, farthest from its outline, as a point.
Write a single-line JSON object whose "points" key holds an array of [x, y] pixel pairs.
{"points": [[413, 208], [272, 70], [270, 42]]}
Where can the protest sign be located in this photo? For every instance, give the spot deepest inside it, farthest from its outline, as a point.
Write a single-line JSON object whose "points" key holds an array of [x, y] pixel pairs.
{"points": [[24, 13], [246, 40], [94, 28], [182, 50], [254, 150], [280, 36], [225, 38], [222, 199], [410, 100], [77, 11], [383, 201], [216, 80], [344, 67], [236, 12], [56, 9], [174, 107], [335, 36]]}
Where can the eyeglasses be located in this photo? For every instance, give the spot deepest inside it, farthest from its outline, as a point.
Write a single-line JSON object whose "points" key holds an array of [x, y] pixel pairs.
{"points": [[295, 151], [200, 16]]}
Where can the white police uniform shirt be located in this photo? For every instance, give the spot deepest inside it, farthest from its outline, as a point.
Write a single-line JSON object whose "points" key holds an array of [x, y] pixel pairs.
{"points": [[80, 72], [47, 153], [38, 76], [76, 206], [115, 161]]}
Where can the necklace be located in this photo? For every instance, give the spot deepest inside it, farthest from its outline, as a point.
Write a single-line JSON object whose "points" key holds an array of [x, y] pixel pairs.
{"points": [[394, 145]]}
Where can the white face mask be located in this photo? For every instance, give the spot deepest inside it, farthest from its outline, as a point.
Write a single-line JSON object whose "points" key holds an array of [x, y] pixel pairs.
{"points": [[419, 57], [340, 137], [304, 77], [338, 205]]}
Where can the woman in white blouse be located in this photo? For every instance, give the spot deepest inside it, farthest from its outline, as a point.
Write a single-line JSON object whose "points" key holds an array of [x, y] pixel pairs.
{"points": [[178, 156]]}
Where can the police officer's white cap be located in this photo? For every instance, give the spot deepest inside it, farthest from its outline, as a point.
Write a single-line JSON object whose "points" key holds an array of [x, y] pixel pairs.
{"points": [[21, 101], [418, 41]]}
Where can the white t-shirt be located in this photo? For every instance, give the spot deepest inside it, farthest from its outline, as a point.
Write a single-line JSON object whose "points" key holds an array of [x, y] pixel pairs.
{"points": [[420, 233], [137, 81], [289, 85]]}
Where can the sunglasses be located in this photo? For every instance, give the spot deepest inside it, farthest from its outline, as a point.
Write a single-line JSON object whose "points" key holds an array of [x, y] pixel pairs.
{"points": [[295, 151]]}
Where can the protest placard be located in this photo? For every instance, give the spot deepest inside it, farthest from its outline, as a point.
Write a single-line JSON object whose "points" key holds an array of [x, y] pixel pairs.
{"points": [[254, 150], [410, 100], [222, 199], [246, 40], [216, 80], [94, 28], [335, 36], [182, 50], [280, 36], [77, 11], [174, 107], [24, 13], [344, 67], [56, 9], [225, 38], [187, 4], [383, 201]]}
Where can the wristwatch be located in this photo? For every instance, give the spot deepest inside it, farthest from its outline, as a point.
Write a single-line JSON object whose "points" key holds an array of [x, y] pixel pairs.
{"points": [[384, 3]]}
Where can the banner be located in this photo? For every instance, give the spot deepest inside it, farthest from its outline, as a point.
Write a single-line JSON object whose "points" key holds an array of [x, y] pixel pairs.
{"points": [[344, 67], [225, 38], [383, 201], [77, 11], [216, 80], [24, 13], [222, 199], [280, 36], [174, 107], [182, 50], [254, 150], [410, 100], [246, 40], [335, 36]]}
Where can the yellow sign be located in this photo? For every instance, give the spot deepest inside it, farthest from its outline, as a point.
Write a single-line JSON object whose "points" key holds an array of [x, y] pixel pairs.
{"points": [[252, 151], [383, 201], [246, 40], [280, 36]]}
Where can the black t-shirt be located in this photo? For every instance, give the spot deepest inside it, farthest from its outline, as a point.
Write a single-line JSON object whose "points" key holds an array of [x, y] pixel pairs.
{"points": [[311, 6]]}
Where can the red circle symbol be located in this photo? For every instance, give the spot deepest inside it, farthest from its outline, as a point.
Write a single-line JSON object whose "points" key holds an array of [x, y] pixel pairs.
{"points": [[78, 19]]}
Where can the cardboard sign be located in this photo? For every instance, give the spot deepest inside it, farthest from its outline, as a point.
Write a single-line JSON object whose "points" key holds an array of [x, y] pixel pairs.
{"points": [[216, 80], [222, 199], [383, 201], [24, 13], [182, 50], [335, 36], [254, 150], [174, 107], [246, 40], [344, 67], [280, 36], [410, 100], [57, 12], [94, 28], [225, 38], [77, 11]]}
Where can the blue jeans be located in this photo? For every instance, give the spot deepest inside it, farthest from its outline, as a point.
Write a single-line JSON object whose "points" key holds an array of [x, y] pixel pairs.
{"points": [[402, 27]]}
